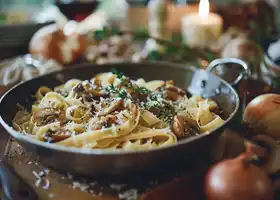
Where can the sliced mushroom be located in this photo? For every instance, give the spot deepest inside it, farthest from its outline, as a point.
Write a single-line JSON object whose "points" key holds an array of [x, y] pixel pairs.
{"points": [[115, 105], [61, 135], [45, 116], [91, 93], [217, 111], [97, 93], [56, 136], [105, 122], [79, 88], [174, 93], [184, 126]]}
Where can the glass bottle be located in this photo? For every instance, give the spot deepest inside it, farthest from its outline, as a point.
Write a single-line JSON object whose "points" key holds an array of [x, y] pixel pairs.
{"points": [[158, 11]]}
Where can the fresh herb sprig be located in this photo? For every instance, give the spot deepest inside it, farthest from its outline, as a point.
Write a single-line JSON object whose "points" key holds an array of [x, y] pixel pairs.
{"points": [[119, 74], [165, 109], [143, 91], [126, 83], [120, 92]]}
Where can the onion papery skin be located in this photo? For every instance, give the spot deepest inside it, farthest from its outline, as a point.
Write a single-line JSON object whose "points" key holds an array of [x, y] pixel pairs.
{"points": [[236, 179], [262, 115]]}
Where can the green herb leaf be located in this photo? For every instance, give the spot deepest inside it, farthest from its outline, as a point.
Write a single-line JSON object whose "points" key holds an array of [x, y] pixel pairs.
{"points": [[117, 73]]}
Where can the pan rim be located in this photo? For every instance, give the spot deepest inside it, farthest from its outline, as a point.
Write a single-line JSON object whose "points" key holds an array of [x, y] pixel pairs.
{"points": [[101, 152]]}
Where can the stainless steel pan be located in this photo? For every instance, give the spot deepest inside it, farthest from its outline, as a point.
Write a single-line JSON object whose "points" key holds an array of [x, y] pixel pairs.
{"points": [[110, 164]]}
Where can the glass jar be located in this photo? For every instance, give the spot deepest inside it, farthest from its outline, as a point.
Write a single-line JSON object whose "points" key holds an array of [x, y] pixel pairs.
{"points": [[270, 66]]}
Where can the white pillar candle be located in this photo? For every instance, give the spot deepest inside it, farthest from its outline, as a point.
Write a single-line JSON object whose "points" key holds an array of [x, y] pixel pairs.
{"points": [[203, 28]]}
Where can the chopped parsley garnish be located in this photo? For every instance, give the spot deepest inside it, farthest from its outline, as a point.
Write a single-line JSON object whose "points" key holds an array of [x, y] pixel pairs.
{"points": [[120, 92], [125, 83], [142, 90], [117, 73], [152, 101]]}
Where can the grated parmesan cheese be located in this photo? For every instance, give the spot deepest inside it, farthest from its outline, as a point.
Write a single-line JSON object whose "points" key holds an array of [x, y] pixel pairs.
{"points": [[38, 182], [82, 186], [41, 173]]}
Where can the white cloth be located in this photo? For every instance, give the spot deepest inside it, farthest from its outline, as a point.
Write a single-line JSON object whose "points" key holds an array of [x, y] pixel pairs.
{"points": [[16, 70]]}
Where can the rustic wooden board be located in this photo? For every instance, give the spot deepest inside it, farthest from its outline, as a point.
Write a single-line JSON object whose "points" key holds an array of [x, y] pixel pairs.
{"points": [[61, 188]]}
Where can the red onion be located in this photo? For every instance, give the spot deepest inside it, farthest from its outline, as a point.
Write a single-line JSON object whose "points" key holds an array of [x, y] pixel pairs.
{"points": [[237, 179]]}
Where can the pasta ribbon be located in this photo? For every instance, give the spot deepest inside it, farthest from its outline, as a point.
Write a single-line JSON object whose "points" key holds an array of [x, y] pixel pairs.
{"points": [[111, 111]]}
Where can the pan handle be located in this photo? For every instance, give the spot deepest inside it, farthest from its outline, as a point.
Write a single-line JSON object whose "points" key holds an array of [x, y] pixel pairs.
{"points": [[13, 186], [243, 75]]}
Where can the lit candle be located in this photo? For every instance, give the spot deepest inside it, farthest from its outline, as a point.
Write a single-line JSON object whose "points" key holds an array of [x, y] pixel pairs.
{"points": [[203, 28]]}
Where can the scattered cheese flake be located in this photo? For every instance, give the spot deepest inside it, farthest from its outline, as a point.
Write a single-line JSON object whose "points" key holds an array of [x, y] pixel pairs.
{"points": [[36, 174], [117, 187], [93, 183], [41, 173], [38, 182], [47, 184], [81, 186], [75, 184], [47, 171], [51, 195], [130, 194]]}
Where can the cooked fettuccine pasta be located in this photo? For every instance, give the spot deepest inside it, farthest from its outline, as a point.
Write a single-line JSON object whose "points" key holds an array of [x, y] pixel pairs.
{"points": [[111, 111]]}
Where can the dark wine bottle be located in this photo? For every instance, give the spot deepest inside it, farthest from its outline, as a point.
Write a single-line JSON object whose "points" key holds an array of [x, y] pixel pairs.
{"points": [[77, 9]]}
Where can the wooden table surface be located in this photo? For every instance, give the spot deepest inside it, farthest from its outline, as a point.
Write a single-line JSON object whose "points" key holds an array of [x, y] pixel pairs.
{"points": [[189, 184]]}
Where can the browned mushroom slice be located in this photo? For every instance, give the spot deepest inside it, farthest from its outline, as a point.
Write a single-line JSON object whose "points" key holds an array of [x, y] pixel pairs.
{"points": [[184, 126], [97, 93], [89, 93], [115, 105], [45, 116], [61, 135], [217, 111], [79, 88], [97, 81], [105, 122], [56, 136], [173, 93]]}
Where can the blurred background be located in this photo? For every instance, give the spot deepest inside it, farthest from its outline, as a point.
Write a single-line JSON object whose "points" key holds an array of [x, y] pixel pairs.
{"points": [[21, 11], [237, 28]]}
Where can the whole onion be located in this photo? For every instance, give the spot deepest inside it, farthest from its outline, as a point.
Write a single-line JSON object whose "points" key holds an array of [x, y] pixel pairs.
{"points": [[262, 115], [237, 179]]}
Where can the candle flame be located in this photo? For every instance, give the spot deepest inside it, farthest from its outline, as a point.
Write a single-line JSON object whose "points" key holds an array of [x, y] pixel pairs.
{"points": [[203, 10]]}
